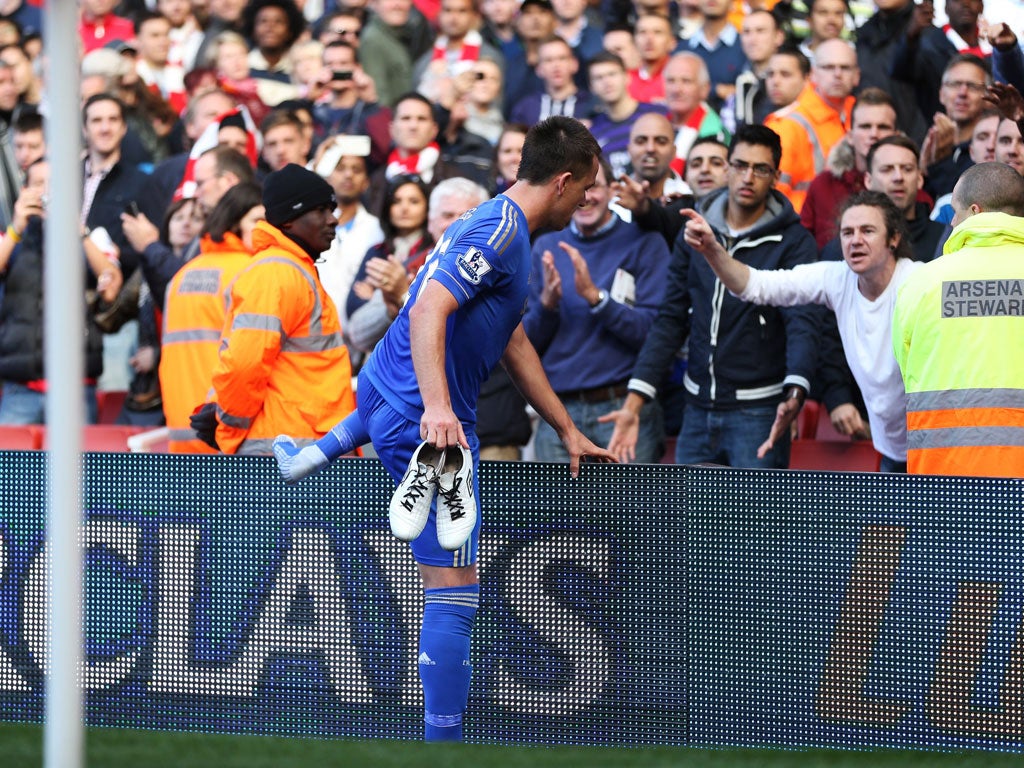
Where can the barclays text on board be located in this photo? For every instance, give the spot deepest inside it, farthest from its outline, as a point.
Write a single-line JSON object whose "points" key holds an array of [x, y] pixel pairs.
{"points": [[637, 605]]}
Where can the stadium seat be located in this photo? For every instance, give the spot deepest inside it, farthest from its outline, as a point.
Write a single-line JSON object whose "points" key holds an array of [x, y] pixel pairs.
{"points": [[843, 455], [102, 438], [825, 431], [17, 438], [110, 402], [109, 438], [669, 456], [807, 420]]}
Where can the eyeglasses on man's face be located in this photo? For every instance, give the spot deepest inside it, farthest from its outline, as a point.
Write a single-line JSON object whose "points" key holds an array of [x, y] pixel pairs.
{"points": [[970, 85], [761, 170]]}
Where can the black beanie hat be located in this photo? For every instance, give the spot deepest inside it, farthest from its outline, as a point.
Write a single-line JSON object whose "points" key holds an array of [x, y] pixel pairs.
{"points": [[292, 191]]}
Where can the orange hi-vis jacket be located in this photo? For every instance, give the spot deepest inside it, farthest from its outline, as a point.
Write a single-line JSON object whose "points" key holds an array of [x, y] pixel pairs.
{"points": [[809, 128], [957, 329], [194, 312], [283, 367]]}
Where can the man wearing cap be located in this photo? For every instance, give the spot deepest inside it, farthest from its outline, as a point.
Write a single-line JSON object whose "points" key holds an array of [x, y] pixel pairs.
{"points": [[283, 366]]}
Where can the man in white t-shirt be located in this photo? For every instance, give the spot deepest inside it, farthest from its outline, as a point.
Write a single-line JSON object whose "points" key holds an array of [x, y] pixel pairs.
{"points": [[861, 290]]}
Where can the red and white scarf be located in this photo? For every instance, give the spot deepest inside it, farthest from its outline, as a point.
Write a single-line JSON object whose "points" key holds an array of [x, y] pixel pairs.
{"points": [[208, 140], [686, 135], [982, 49], [416, 163], [470, 47]]}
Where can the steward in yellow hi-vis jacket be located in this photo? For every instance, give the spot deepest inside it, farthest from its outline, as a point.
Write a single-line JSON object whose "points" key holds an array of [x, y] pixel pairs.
{"points": [[958, 327], [194, 309], [283, 367]]}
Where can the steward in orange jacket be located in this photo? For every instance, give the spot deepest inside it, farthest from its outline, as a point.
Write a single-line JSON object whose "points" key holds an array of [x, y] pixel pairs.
{"points": [[283, 367], [194, 311], [811, 126]]}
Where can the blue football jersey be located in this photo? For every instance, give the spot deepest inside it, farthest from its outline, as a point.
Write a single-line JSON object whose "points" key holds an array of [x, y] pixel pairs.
{"points": [[483, 259]]}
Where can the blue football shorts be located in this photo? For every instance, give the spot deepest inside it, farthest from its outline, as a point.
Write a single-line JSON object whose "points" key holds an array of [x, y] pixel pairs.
{"points": [[395, 438]]}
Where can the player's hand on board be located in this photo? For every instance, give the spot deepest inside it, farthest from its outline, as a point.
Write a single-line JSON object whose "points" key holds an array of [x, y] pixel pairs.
{"points": [[580, 447]]}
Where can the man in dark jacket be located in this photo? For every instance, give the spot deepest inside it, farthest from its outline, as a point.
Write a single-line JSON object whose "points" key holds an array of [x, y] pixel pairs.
{"points": [[743, 358], [876, 41], [21, 321], [110, 184]]}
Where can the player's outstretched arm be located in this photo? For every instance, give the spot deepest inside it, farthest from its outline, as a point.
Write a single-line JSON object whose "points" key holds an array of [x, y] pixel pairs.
{"points": [[297, 464], [523, 365]]}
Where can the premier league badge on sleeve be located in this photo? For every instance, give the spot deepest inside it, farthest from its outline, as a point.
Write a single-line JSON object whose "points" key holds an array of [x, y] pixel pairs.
{"points": [[473, 266]]}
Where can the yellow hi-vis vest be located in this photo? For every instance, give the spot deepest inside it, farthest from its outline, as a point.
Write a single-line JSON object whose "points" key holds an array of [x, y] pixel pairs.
{"points": [[958, 336]]}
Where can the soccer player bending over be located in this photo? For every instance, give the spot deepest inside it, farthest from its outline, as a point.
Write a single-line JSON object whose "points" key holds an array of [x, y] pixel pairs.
{"points": [[418, 393]]}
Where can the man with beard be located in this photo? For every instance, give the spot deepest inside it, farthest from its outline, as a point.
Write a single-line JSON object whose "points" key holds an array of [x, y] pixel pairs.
{"points": [[651, 152], [281, 345]]}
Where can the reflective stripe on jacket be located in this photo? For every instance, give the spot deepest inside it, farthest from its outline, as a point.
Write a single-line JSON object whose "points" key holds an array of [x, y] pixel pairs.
{"points": [[283, 368], [194, 310], [957, 336], [809, 128]]}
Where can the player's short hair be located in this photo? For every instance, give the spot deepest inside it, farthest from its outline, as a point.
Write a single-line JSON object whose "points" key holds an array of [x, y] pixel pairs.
{"points": [[556, 145]]}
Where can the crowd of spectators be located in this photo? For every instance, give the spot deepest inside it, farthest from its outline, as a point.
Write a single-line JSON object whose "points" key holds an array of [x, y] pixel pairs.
{"points": [[390, 101]]}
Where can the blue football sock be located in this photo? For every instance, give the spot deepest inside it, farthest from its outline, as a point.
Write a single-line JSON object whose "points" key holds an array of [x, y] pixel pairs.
{"points": [[298, 463], [444, 659], [344, 437]]}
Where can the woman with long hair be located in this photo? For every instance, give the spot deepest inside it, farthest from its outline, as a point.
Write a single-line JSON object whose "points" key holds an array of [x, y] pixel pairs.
{"points": [[195, 310], [507, 154], [389, 267]]}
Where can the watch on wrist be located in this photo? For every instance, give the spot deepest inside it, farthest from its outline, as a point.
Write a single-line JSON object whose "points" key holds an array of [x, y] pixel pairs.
{"points": [[602, 295]]}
